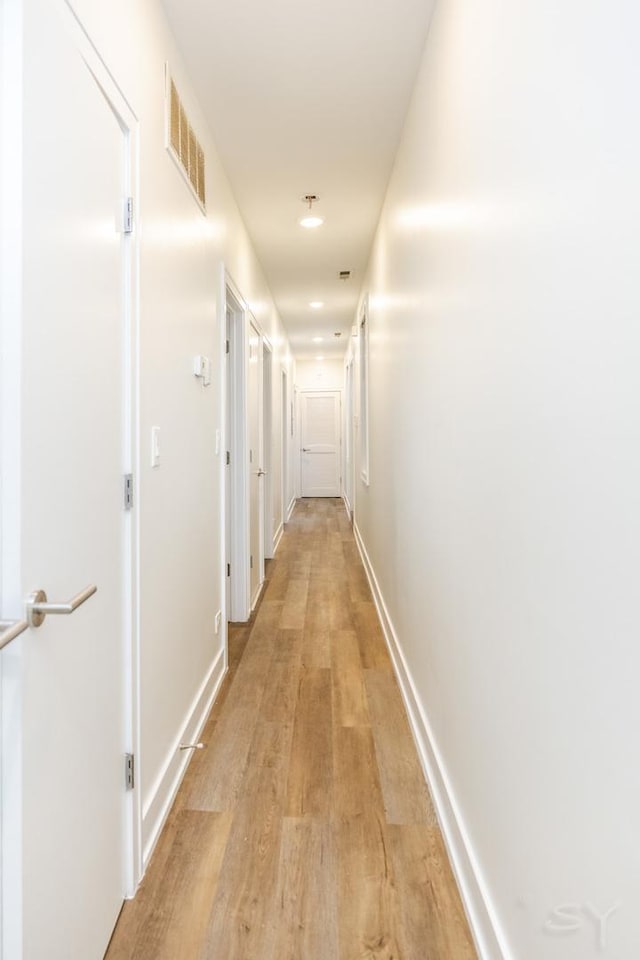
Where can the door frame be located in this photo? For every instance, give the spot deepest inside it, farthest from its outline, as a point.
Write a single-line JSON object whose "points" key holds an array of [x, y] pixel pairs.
{"points": [[10, 476], [284, 450], [348, 474], [266, 460], [234, 484]]}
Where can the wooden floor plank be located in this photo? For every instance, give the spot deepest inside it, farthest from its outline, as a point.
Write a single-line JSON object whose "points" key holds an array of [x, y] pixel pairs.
{"points": [[304, 923], [294, 608], [244, 902], [431, 920], [168, 918], [373, 648], [356, 781], [350, 708], [367, 897], [406, 798], [309, 785]]}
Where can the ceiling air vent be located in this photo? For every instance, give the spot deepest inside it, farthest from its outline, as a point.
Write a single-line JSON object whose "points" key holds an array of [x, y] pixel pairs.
{"points": [[344, 274], [183, 145]]}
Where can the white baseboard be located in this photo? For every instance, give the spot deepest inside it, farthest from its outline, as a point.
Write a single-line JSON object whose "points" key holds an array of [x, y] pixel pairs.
{"points": [[290, 509], [347, 505], [278, 538], [163, 791], [490, 942]]}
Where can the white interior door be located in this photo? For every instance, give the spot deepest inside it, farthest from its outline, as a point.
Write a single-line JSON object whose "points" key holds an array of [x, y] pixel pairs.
{"points": [[72, 528], [320, 444], [255, 466]]}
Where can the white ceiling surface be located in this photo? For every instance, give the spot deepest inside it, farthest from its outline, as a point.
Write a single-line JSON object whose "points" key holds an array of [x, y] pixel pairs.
{"points": [[306, 96]]}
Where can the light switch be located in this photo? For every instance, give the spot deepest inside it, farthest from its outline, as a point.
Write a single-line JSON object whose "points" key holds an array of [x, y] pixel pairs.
{"points": [[155, 446], [202, 369]]}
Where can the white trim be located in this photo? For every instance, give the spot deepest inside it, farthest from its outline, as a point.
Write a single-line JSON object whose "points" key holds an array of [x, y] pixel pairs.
{"points": [[278, 537], [163, 791], [489, 939], [291, 508], [222, 465], [239, 445], [363, 391], [347, 505]]}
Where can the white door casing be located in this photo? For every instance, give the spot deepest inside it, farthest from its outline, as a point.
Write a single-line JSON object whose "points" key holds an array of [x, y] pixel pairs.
{"points": [[254, 414], [237, 480], [265, 459], [320, 443], [349, 433], [69, 693]]}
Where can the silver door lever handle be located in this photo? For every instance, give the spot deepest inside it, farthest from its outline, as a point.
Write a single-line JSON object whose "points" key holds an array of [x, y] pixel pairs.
{"points": [[306, 449], [261, 473], [10, 629], [38, 607]]}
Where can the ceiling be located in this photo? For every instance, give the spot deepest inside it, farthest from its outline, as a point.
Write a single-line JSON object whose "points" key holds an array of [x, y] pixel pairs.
{"points": [[306, 96]]}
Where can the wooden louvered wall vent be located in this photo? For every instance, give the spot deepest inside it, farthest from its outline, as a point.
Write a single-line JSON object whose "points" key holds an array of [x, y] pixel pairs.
{"points": [[183, 144]]}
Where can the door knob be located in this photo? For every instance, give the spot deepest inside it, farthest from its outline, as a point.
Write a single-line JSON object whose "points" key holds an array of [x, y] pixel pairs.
{"points": [[38, 606], [10, 629], [261, 472], [306, 449]]}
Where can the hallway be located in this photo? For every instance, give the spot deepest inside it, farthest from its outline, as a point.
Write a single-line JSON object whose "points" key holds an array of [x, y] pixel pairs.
{"points": [[304, 831]]}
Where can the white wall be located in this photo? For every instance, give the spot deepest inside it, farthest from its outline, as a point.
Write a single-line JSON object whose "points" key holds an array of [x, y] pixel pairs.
{"points": [[182, 254], [503, 518], [320, 374]]}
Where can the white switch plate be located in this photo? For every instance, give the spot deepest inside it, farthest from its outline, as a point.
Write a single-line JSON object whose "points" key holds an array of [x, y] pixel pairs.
{"points": [[217, 621], [155, 446]]}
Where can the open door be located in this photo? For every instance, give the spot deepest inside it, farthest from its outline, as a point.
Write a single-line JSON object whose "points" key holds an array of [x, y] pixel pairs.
{"points": [[66, 680]]}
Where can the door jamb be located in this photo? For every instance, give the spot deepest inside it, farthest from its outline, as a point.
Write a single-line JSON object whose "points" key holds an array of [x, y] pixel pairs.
{"points": [[235, 494]]}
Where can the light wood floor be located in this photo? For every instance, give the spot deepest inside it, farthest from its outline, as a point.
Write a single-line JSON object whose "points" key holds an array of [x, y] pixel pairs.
{"points": [[305, 830]]}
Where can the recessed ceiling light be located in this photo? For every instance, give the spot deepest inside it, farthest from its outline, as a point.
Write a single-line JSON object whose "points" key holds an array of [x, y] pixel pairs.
{"points": [[316, 304], [319, 358], [310, 223], [318, 339]]}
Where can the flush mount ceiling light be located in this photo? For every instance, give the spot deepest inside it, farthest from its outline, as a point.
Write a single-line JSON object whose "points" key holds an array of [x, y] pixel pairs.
{"points": [[318, 339], [316, 304], [319, 358], [311, 220]]}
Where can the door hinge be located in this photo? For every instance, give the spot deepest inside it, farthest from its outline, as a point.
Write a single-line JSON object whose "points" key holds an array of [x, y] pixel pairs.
{"points": [[128, 491], [129, 771], [128, 215], [228, 458], [226, 346], [228, 569], [250, 456], [251, 562]]}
